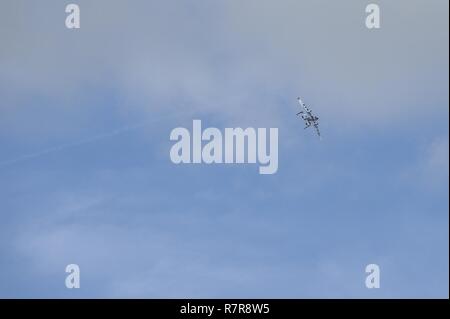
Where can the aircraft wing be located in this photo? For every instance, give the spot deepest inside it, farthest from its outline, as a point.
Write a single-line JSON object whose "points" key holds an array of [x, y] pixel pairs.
{"points": [[303, 105], [316, 125]]}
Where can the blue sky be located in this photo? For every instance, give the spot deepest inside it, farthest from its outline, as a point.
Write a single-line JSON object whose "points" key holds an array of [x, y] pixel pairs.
{"points": [[86, 177]]}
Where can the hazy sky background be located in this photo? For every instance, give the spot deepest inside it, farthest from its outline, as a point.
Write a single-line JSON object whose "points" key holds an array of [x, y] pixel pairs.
{"points": [[86, 177]]}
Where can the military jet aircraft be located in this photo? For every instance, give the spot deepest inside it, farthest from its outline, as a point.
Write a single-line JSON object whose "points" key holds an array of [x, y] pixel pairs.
{"points": [[309, 118]]}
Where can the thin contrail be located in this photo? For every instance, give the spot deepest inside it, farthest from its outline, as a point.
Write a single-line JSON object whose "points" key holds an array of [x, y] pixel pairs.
{"points": [[79, 142]]}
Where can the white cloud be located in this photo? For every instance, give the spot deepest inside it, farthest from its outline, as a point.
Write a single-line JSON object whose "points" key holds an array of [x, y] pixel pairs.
{"points": [[240, 61]]}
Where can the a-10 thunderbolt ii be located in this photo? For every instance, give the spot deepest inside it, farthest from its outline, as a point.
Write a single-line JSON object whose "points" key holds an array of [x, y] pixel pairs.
{"points": [[309, 118]]}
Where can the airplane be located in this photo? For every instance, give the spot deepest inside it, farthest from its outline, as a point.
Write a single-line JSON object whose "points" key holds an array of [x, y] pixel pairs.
{"points": [[308, 117]]}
